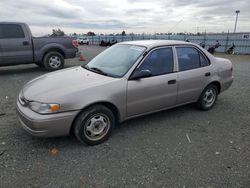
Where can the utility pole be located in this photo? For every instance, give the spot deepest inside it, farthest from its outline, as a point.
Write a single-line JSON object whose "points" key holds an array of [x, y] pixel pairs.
{"points": [[236, 20]]}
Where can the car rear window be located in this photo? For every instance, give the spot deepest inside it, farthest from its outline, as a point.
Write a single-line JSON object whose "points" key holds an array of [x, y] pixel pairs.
{"points": [[11, 31]]}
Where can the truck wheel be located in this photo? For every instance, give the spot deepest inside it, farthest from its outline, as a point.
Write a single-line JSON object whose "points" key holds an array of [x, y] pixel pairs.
{"points": [[53, 61], [94, 125], [87, 43]]}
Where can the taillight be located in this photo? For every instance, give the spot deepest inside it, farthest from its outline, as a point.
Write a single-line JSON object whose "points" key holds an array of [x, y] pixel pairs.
{"points": [[75, 43]]}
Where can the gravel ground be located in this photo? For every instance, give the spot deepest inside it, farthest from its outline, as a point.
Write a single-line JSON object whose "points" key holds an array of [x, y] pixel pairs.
{"points": [[182, 147]]}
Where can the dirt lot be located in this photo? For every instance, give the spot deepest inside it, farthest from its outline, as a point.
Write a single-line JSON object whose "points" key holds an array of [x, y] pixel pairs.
{"points": [[152, 151]]}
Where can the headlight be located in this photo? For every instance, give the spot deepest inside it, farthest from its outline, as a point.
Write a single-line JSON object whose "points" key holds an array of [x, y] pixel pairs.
{"points": [[43, 108]]}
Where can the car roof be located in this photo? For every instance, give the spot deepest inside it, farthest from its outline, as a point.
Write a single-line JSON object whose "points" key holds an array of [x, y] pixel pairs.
{"points": [[155, 43]]}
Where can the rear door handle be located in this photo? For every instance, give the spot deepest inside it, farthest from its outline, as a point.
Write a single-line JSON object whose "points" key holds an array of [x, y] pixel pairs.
{"points": [[171, 82], [26, 43], [207, 74]]}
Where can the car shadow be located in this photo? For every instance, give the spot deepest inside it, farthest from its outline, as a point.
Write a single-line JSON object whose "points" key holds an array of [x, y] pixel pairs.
{"points": [[154, 117], [21, 69], [138, 123]]}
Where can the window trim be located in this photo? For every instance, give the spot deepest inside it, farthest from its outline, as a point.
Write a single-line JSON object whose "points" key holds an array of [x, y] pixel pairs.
{"points": [[148, 53], [14, 37], [198, 50]]}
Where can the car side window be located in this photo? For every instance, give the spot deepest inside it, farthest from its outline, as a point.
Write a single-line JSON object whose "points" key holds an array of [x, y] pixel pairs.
{"points": [[204, 62], [190, 58], [159, 61], [11, 31]]}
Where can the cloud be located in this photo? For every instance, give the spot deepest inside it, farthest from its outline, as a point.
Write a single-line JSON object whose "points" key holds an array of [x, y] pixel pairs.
{"points": [[132, 15]]}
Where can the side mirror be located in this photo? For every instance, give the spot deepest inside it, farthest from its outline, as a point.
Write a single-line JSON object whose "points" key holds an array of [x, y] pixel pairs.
{"points": [[141, 74]]}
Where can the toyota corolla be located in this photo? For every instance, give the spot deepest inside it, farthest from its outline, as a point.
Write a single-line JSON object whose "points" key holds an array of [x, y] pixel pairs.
{"points": [[127, 80]]}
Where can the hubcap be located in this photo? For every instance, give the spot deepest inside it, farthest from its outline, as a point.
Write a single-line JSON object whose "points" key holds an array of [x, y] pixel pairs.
{"points": [[209, 97], [96, 127], [54, 61]]}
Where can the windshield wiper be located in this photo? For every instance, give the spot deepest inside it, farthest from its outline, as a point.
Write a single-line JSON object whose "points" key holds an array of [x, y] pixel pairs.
{"points": [[85, 66], [95, 69]]}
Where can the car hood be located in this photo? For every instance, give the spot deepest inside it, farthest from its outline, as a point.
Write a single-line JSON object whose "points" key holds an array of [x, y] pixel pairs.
{"points": [[54, 87]]}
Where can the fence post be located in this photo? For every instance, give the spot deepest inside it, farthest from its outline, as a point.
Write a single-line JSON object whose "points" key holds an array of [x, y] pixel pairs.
{"points": [[227, 41], [205, 38], [92, 39]]}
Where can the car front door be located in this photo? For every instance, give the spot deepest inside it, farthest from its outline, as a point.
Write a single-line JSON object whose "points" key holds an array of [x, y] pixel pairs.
{"points": [[193, 72], [157, 91], [16, 47]]}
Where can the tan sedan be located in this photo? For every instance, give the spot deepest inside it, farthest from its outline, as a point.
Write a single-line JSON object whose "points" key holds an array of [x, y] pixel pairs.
{"points": [[127, 80]]}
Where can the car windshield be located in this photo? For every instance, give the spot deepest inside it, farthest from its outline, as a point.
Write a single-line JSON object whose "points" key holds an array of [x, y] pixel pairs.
{"points": [[116, 60]]}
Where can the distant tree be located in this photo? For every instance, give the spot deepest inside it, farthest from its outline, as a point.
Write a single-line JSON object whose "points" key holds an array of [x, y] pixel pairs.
{"points": [[123, 33], [131, 34], [57, 33], [74, 34], [90, 33]]}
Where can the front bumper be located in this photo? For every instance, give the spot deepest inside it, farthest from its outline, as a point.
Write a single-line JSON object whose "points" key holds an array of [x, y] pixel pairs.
{"points": [[51, 125]]}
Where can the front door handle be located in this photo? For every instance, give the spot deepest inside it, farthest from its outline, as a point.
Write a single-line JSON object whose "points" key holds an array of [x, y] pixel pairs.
{"points": [[26, 43], [207, 74], [171, 82]]}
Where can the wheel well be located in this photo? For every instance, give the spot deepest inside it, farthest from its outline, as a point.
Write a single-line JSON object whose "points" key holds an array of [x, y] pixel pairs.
{"points": [[217, 84], [109, 105], [55, 49]]}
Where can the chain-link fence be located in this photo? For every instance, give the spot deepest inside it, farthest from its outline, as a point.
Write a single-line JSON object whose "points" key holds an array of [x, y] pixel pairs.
{"points": [[240, 40]]}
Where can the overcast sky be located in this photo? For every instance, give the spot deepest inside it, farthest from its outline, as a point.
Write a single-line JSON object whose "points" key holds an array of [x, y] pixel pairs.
{"points": [[113, 16]]}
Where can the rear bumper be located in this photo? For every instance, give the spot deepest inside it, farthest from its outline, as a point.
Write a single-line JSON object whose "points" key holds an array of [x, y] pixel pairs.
{"points": [[52, 125], [226, 83], [72, 53], [78, 54]]}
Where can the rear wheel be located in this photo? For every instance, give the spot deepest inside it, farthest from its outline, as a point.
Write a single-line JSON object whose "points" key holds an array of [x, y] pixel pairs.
{"points": [[94, 125], [53, 61], [208, 97]]}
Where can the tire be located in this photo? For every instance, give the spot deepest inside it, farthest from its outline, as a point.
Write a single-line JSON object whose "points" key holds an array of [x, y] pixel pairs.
{"points": [[94, 125], [208, 97], [87, 43], [81, 43], [53, 61], [39, 64]]}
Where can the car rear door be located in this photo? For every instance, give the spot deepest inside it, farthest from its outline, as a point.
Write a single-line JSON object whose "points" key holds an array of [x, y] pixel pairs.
{"points": [[16, 44], [193, 73], [159, 91]]}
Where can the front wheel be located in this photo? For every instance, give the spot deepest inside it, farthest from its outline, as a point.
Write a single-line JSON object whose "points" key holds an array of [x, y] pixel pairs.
{"points": [[208, 97], [94, 125], [53, 61]]}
